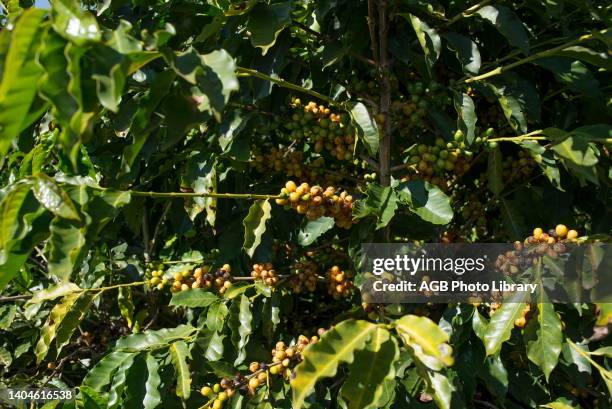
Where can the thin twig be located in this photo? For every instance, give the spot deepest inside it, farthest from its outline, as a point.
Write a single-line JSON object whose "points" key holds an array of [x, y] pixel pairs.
{"points": [[468, 12]]}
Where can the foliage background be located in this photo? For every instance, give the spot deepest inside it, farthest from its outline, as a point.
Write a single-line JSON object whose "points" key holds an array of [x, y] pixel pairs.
{"points": [[137, 137]]}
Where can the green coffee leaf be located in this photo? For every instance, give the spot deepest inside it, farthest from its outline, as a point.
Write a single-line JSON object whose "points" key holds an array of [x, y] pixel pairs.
{"points": [[65, 247], [466, 51], [466, 116], [508, 24], [366, 125], [240, 323], [74, 23], [428, 39], [53, 198], [193, 298], [19, 75], [50, 328], [427, 341], [426, 201], [255, 225], [100, 375], [502, 322], [179, 352], [266, 21], [70, 322], [53, 292], [201, 176], [126, 305], [321, 360], [371, 367], [313, 229], [381, 202], [544, 338], [152, 397]]}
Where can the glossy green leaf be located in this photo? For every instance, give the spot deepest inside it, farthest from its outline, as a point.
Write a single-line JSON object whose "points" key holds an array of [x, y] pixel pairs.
{"points": [[502, 322], [53, 198], [255, 225], [381, 202], [265, 23], [154, 338], [179, 352], [321, 360], [201, 176], [118, 382], [211, 342], [50, 328], [70, 322], [91, 399], [371, 367], [365, 123], [141, 128], [20, 74], [466, 51], [23, 225], [427, 341], [313, 229], [576, 150], [65, 247], [126, 305], [240, 323], [11, 7], [441, 388], [152, 397], [7, 316], [429, 39], [426, 201], [100, 375], [601, 60], [216, 315], [194, 298], [53, 292], [572, 73], [546, 160], [213, 76], [74, 23], [544, 338], [508, 24], [466, 116]]}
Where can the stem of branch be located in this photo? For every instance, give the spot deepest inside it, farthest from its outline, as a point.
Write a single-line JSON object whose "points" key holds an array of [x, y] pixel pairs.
{"points": [[248, 72], [533, 57], [531, 136], [468, 12]]}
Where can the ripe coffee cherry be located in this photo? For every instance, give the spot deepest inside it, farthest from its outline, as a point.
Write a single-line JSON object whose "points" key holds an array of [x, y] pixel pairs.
{"points": [[314, 202], [265, 273], [339, 284]]}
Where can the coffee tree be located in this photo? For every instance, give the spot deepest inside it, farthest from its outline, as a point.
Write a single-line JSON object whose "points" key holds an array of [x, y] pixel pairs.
{"points": [[186, 186]]}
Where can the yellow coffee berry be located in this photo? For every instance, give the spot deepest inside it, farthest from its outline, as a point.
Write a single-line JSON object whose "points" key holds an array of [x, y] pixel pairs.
{"points": [[561, 230]]}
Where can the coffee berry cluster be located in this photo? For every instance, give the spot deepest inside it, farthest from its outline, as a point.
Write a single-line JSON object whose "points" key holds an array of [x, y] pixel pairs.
{"points": [[434, 163], [316, 202], [339, 283], [155, 276], [265, 273], [551, 243], [200, 277], [323, 128], [284, 358], [304, 276]]}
